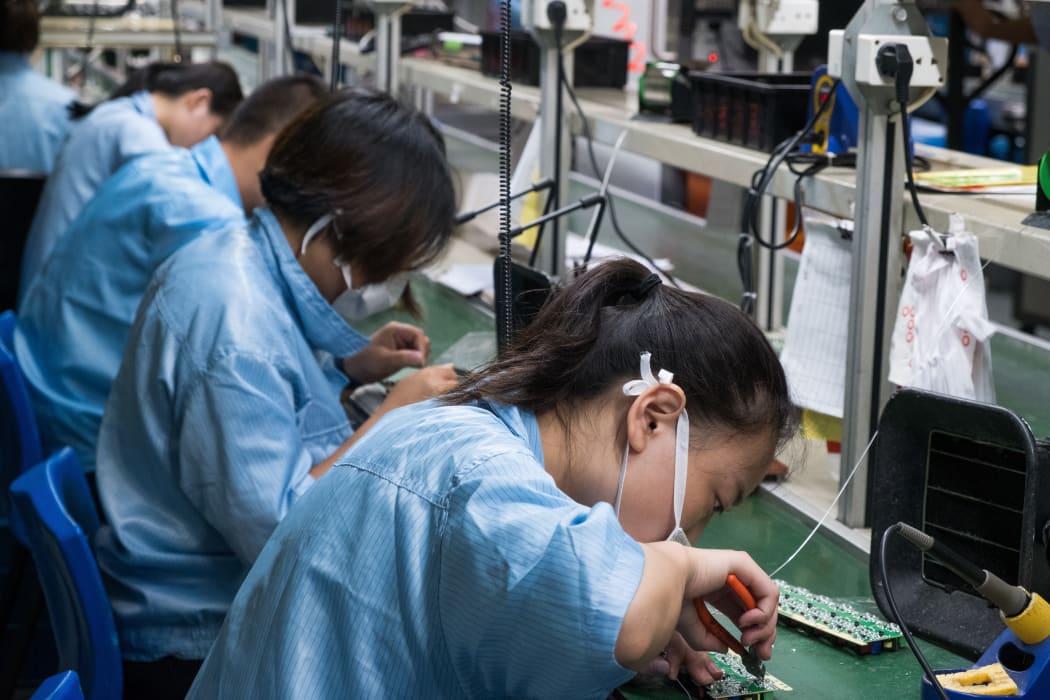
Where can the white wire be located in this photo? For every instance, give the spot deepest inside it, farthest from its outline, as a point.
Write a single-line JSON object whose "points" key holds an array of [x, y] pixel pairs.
{"points": [[603, 189], [831, 507]]}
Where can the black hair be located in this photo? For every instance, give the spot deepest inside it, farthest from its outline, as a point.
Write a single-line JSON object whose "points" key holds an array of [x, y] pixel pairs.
{"points": [[270, 107], [174, 79], [379, 166], [590, 336], [19, 25]]}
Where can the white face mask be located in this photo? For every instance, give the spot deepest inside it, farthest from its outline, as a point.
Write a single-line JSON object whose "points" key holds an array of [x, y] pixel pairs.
{"points": [[356, 304], [681, 454]]}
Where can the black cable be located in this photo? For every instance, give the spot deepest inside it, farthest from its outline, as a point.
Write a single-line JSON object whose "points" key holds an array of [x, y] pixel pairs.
{"points": [[930, 675], [337, 39], [176, 31], [762, 178], [906, 130], [557, 14], [503, 331], [612, 207]]}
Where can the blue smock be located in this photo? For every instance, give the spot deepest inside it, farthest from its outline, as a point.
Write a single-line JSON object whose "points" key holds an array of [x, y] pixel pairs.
{"points": [[217, 415], [75, 318], [34, 114], [112, 134], [437, 559]]}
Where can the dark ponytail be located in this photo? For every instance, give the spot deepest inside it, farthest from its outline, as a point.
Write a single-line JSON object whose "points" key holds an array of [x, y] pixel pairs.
{"points": [[19, 25], [174, 79], [590, 335]]}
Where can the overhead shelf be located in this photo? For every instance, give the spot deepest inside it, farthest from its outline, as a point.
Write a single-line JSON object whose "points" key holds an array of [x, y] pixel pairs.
{"points": [[126, 32], [995, 220]]}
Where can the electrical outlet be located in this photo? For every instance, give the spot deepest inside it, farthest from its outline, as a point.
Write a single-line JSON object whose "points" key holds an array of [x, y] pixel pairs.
{"points": [[929, 54], [787, 17], [577, 19]]}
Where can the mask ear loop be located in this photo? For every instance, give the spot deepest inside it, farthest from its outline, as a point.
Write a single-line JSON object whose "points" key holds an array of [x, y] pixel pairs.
{"points": [[623, 476], [312, 232], [681, 457]]}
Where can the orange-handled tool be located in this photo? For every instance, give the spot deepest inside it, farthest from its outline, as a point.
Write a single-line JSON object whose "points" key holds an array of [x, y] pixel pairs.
{"points": [[751, 661]]}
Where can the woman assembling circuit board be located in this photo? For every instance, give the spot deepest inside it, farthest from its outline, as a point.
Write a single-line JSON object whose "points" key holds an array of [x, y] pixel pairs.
{"points": [[522, 536]]}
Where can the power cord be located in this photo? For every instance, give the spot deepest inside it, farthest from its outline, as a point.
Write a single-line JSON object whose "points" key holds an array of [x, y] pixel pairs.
{"points": [[504, 322], [785, 151], [930, 675]]}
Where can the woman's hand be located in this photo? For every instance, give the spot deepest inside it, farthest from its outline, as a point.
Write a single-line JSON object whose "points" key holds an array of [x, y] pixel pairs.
{"points": [[393, 347], [758, 626], [420, 386], [679, 656]]}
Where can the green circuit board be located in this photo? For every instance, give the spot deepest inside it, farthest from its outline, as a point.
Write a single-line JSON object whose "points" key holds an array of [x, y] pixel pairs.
{"points": [[836, 622], [738, 684]]}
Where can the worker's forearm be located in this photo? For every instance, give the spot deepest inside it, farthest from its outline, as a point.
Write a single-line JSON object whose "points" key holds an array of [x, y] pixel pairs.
{"points": [[654, 611]]}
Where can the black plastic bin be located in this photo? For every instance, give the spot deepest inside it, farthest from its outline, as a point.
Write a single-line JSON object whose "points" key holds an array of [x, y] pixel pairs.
{"points": [[599, 62], [757, 110]]}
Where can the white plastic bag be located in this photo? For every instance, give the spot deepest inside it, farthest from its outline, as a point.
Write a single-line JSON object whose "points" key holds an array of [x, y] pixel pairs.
{"points": [[941, 335]]}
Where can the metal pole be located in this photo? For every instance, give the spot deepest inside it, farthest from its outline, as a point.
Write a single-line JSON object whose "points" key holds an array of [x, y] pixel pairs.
{"points": [[552, 249], [874, 292], [382, 50], [769, 282], [276, 62]]}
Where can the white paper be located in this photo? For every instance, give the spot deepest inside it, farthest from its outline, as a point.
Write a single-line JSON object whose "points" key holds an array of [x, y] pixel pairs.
{"points": [[468, 280], [814, 356]]}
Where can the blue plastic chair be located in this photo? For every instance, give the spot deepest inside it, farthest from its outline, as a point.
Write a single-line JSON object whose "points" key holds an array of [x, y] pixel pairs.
{"points": [[19, 437], [53, 515], [7, 330], [61, 686], [19, 450]]}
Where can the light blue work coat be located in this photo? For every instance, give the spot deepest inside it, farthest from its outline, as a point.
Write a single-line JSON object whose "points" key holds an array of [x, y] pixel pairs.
{"points": [[97, 146], [437, 559], [34, 117], [75, 319], [217, 415]]}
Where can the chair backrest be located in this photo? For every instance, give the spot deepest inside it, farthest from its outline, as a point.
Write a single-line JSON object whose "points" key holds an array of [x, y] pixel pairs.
{"points": [[53, 515], [19, 194], [61, 686], [7, 330], [19, 437]]}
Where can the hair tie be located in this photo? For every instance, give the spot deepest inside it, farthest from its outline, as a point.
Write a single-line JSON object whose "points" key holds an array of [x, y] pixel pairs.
{"points": [[646, 286]]}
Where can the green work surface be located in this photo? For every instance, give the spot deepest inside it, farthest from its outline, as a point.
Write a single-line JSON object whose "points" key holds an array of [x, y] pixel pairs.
{"points": [[445, 315], [814, 669]]}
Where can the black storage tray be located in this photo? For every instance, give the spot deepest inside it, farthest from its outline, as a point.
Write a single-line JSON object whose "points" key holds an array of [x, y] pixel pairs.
{"points": [[599, 62], [757, 110]]}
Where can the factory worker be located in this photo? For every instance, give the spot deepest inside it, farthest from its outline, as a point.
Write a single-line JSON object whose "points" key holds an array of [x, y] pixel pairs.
{"points": [[33, 109], [169, 104], [221, 415], [523, 536], [76, 316]]}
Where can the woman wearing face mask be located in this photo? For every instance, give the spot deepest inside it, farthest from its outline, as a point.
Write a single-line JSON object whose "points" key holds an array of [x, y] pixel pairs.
{"points": [[162, 105], [510, 539], [226, 406]]}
